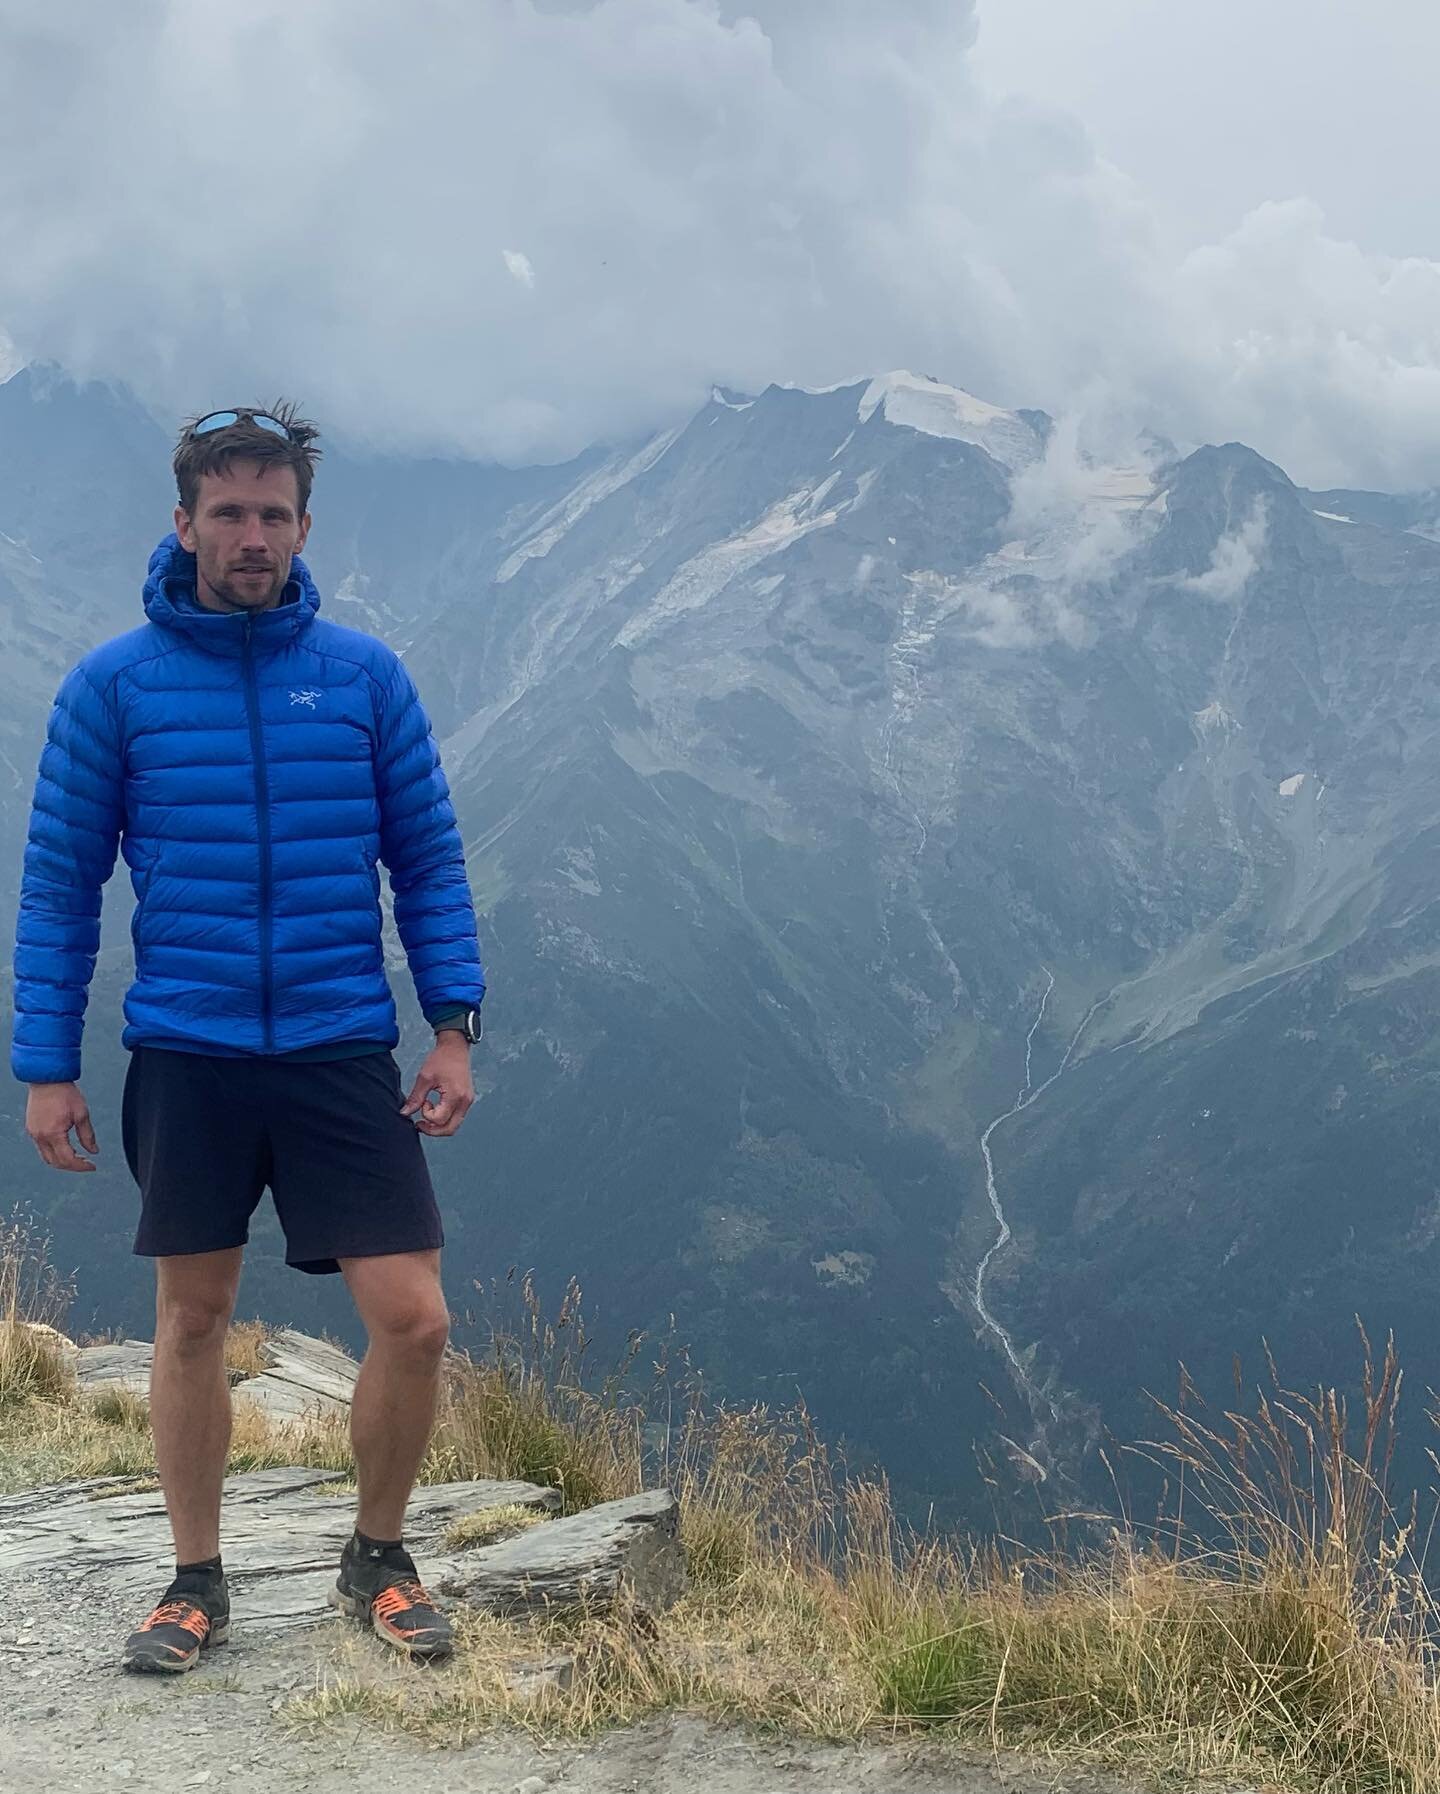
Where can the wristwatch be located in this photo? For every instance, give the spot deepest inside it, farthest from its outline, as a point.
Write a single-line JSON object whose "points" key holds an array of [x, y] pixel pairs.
{"points": [[468, 1022]]}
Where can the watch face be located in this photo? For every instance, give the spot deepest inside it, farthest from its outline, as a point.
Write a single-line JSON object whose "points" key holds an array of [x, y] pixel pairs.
{"points": [[474, 1026]]}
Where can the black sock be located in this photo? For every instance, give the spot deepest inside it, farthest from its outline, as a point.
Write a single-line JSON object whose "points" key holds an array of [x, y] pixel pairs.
{"points": [[208, 1566], [367, 1544]]}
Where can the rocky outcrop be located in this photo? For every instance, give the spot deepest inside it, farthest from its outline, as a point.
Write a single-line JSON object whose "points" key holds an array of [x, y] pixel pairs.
{"points": [[626, 1549], [305, 1378], [122, 1365], [283, 1529]]}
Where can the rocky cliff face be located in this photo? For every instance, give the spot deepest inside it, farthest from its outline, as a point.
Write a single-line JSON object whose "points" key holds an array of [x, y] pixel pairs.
{"points": [[959, 915]]}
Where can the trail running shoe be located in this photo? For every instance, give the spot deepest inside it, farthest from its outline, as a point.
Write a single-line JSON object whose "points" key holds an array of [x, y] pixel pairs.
{"points": [[383, 1588], [193, 1615]]}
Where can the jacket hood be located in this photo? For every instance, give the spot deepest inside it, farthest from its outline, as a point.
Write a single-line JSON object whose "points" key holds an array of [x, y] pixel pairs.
{"points": [[171, 603]]}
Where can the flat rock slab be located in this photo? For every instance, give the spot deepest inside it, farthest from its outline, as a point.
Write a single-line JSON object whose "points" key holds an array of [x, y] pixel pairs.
{"points": [[125, 1365], [622, 1549], [282, 1536], [307, 1378]]}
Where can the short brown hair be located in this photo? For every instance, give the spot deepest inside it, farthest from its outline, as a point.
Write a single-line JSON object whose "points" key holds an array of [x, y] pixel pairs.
{"points": [[195, 456]]}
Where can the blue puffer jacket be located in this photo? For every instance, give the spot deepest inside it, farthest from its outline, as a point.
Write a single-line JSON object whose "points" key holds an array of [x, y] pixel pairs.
{"points": [[254, 771]]}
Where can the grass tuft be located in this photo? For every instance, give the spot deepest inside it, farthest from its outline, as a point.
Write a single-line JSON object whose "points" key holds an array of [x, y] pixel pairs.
{"points": [[488, 1524], [33, 1360], [526, 1413], [119, 1406], [245, 1353]]}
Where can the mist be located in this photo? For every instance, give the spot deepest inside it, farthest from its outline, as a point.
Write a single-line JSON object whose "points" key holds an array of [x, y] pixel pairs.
{"points": [[510, 231]]}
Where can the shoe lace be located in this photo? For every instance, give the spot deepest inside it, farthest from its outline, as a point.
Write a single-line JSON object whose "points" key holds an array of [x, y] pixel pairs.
{"points": [[398, 1597], [185, 1614]]}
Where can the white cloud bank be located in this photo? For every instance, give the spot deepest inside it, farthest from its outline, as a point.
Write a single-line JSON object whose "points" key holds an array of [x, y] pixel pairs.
{"points": [[218, 204]]}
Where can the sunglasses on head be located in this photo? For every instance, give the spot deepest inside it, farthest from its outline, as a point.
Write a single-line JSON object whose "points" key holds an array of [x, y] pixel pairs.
{"points": [[222, 420]]}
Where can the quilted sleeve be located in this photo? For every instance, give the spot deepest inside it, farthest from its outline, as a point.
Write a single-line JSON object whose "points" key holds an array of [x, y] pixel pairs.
{"points": [[421, 846], [75, 824]]}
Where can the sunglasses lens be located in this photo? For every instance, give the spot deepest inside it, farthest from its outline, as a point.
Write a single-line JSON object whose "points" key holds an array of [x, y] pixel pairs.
{"points": [[222, 420]]}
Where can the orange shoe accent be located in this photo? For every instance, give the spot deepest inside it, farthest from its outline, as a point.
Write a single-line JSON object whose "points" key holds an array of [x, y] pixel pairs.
{"points": [[398, 1598], [185, 1614]]}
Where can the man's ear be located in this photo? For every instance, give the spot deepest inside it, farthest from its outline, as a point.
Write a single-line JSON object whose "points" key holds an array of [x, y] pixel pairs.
{"points": [[186, 530], [302, 538]]}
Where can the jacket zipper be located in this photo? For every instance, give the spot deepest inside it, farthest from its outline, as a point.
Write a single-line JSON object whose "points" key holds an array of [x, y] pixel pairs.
{"points": [[262, 805]]}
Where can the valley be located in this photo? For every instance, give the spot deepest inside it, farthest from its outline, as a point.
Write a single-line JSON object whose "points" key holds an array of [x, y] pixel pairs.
{"points": [[959, 916]]}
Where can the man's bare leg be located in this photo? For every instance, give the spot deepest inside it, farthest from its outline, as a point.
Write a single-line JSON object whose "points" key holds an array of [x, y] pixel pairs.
{"points": [[403, 1307], [190, 1393]]}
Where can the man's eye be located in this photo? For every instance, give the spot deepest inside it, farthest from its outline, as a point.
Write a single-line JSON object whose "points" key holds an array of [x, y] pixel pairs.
{"points": [[277, 516]]}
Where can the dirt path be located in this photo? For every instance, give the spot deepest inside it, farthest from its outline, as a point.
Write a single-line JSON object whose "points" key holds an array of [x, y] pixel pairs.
{"points": [[80, 1562], [71, 1722]]}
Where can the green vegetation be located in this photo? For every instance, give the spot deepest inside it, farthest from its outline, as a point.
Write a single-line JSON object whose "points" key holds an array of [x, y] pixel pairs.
{"points": [[1275, 1628]]}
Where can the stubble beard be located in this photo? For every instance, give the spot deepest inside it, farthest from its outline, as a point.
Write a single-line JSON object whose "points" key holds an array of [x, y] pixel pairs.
{"points": [[234, 597]]}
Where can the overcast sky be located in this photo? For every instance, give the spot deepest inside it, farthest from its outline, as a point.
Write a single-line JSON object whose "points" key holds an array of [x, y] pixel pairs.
{"points": [[1213, 108], [516, 226]]}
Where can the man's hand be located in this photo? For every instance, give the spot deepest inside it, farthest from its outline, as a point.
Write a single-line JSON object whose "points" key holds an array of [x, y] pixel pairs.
{"points": [[51, 1110], [446, 1071]]}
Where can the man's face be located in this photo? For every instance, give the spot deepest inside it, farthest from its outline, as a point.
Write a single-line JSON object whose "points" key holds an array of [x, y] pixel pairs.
{"points": [[245, 527]]}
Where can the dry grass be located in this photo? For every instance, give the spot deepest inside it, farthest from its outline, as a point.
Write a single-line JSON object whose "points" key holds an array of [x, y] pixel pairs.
{"points": [[526, 1413], [32, 1304], [245, 1343], [1282, 1631], [50, 1440], [488, 1524], [117, 1405], [1277, 1631]]}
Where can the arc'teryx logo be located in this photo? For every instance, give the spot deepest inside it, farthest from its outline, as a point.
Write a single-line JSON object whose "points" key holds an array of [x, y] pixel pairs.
{"points": [[304, 696]]}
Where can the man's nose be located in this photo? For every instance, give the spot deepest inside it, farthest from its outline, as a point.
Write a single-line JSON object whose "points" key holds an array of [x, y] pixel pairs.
{"points": [[253, 533]]}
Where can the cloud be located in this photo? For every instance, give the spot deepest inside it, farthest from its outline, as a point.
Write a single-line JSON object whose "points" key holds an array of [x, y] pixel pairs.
{"points": [[1080, 511], [219, 203], [1235, 558], [1005, 613], [1019, 618]]}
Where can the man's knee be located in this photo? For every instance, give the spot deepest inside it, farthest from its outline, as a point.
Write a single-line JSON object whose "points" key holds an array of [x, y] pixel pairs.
{"points": [[193, 1320], [402, 1302], [417, 1327]]}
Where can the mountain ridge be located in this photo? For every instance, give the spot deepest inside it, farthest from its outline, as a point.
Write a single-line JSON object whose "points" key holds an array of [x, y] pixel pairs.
{"points": [[795, 750]]}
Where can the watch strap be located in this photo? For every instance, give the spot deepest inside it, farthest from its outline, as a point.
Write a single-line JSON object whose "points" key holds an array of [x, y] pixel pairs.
{"points": [[457, 1016]]}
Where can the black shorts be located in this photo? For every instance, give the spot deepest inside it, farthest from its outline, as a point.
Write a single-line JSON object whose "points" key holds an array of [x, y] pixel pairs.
{"points": [[204, 1137]]}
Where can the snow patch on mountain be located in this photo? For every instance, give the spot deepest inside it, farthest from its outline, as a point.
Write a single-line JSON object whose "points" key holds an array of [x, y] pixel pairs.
{"points": [[707, 574], [914, 402], [1214, 719], [560, 519]]}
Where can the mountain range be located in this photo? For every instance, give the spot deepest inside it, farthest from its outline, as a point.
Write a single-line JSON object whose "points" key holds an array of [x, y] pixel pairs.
{"points": [[961, 915]]}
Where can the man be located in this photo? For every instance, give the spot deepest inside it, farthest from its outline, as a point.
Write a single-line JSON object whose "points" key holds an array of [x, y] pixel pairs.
{"points": [[254, 763]]}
